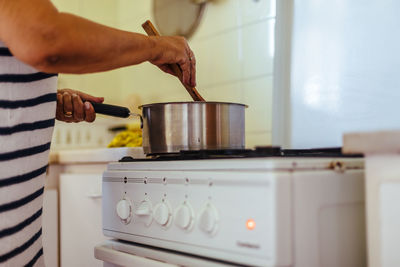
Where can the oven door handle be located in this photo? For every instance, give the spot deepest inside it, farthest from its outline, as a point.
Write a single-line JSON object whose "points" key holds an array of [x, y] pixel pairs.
{"points": [[113, 256]]}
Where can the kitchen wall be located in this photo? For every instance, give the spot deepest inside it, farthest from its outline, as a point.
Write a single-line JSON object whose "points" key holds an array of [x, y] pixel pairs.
{"points": [[234, 47]]}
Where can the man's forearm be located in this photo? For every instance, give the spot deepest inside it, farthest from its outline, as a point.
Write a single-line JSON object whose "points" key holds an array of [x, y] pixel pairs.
{"points": [[62, 42], [81, 46]]}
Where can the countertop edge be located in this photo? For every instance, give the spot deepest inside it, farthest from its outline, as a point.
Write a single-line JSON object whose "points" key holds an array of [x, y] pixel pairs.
{"points": [[377, 142], [95, 155]]}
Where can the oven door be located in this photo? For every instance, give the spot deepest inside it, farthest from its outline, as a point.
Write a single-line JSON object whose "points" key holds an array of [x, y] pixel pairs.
{"points": [[119, 253]]}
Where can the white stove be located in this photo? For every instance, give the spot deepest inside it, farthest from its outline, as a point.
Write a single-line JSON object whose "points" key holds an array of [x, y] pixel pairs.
{"points": [[286, 209]]}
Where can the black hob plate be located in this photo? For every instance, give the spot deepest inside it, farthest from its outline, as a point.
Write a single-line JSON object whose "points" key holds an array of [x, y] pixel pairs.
{"points": [[267, 151]]}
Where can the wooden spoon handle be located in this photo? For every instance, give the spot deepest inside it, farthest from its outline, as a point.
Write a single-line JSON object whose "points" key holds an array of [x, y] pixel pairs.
{"points": [[152, 31]]}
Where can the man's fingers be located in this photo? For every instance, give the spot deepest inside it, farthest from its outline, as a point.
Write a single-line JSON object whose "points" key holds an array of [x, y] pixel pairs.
{"points": [[87, 97], [166, 68], [185, 72], [189, 68], [83, 96], [68, 107], [60, 108], [192, 69], [74, 106], [79, 113], [90, 114]]}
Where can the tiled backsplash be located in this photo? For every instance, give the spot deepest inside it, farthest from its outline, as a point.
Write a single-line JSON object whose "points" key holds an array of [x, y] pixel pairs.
{"points": [[84, 135], [234, 48]]}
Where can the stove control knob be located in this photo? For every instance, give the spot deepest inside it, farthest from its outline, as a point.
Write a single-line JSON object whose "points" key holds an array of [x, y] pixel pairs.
{"points": [[144, 212], [184, 216], [162, 214], [124, 210], [209, 219], [144, 208]]}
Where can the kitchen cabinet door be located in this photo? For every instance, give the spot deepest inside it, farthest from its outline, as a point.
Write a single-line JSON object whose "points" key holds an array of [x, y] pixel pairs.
{"points": [[50, 227], [80, 219]]}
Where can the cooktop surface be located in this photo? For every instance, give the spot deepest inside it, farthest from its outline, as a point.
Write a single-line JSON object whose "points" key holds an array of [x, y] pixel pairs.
{"points": [[269, 151]]}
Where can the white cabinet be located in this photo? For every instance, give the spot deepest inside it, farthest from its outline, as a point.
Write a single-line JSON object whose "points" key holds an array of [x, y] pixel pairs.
{"points": [[50, 227], [80, 219]]}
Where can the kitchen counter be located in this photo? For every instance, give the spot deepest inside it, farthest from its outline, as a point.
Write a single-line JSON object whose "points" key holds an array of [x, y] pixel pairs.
{"points": [[379, 142]]}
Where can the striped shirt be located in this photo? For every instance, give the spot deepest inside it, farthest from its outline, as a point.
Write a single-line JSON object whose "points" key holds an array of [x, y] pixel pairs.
{"points": [[27, 114]]}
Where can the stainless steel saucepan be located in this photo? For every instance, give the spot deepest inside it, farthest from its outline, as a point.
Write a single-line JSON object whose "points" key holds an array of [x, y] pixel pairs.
{"points": [[175, 126]]}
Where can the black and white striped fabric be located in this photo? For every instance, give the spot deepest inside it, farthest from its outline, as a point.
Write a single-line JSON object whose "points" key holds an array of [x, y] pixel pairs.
{"points": [[27, 114]]}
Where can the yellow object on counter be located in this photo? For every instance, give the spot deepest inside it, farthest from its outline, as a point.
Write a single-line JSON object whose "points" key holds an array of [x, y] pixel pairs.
{"points": [[128, 138], [134, 126]]}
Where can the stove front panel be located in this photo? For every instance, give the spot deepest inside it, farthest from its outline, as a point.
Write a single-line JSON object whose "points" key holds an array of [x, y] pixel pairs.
{"points": [[226, 215]]}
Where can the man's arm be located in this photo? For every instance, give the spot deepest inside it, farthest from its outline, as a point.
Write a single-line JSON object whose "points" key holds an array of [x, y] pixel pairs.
{"points": [[52, 41]]}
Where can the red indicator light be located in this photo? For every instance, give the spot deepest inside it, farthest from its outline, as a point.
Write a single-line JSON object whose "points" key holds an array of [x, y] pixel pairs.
{"points": [[250, 224]]}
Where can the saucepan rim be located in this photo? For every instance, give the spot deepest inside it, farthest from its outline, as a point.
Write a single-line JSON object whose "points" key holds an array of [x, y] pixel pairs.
{"points": [[192, 102]]}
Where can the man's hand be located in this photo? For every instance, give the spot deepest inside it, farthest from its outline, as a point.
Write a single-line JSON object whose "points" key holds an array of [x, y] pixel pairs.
{"points": [[74, 106], [174, 49]]}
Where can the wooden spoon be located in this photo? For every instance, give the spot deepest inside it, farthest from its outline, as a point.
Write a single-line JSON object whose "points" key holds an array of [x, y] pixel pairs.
{"points": [[151, 31]]}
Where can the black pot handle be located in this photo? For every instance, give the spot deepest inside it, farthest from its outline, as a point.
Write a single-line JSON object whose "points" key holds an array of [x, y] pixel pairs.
{"points": [[116, 111], [111, 110]]}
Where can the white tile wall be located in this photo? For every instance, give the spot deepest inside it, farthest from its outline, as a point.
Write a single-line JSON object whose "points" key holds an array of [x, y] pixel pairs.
{"points": [[218, 18], [228, 92], [259, 138], [255, 10], [131, 14], [101, 11], [84, 135], [258, 49], [257, 94], [72, 6], [219, 58]]}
